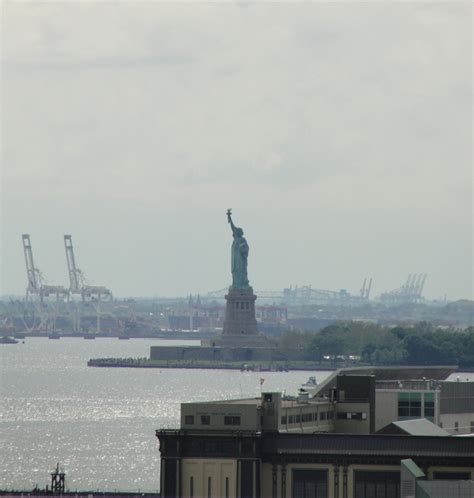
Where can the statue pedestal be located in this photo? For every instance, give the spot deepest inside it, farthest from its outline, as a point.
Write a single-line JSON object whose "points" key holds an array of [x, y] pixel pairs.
{"points": [[240, 313], [240, 326]]}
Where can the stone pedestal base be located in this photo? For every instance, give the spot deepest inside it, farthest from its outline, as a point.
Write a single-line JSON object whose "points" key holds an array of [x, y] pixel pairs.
{"points": [[240, 313]]}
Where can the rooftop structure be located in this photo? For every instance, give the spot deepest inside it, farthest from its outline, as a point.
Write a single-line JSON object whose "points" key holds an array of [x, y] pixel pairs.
{"points": [[349, 400], [416, 484]]}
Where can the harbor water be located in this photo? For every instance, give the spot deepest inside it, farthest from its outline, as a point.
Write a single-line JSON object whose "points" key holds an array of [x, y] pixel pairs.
{"points": [[99, 423]]}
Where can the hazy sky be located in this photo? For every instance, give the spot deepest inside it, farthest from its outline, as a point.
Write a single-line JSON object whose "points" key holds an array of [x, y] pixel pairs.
{"points": [[339, 133]]}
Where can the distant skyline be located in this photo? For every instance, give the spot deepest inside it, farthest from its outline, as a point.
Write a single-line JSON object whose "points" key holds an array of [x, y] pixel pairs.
{"points": [[339, 132]]}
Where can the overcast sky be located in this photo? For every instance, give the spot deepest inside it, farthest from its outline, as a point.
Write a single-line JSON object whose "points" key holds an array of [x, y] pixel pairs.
{"points": [[339, 133]]}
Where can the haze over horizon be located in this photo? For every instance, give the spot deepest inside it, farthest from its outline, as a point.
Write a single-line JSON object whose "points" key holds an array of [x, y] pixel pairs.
{"points": [[340, 133]]}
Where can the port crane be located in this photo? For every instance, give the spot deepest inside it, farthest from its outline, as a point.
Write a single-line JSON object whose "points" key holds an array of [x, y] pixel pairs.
{"points": [[37, 289], [410, 292], [78, 285], [366, 287], [77, 280]]}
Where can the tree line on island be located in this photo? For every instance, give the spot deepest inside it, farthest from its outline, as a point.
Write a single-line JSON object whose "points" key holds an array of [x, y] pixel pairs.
{"points": [[370, 343]]}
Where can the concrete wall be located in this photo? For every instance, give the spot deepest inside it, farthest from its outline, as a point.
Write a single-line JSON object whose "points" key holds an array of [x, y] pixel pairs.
{"points": [[218, 470], [448, 422], [386, 408], [457, 397], [352, 426]]}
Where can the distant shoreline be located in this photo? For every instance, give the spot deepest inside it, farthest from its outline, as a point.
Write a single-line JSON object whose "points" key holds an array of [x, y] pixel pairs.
{"points": [[176, 335]]}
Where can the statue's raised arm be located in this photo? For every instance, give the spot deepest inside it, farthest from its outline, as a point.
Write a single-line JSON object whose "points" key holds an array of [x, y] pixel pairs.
{"points": [[231, 223]]}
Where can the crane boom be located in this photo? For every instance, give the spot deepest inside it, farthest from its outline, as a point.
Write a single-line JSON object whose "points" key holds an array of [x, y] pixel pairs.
{"points": [[75, 282], [34, 283]]}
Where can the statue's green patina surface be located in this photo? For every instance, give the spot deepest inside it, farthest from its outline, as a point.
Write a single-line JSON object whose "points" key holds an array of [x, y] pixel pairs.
{"points": [[240, 252]]}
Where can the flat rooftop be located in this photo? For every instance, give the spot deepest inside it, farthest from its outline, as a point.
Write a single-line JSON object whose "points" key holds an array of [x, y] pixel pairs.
{"points": [[285, 403], [242, 401]]}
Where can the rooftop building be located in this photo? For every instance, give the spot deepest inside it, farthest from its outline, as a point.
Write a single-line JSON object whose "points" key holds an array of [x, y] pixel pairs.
{"points": [[321, 443]]}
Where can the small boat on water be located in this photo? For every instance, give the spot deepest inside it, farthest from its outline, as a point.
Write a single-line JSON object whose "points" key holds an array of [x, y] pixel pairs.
{"points": [[89, 336], [8, 340], [54, 335]]}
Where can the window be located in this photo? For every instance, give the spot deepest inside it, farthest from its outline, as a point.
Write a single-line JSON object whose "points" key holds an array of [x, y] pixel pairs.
{"points": [[226, 487], [452, 476], [323, 415], [377, 484], [297, 419], [456, 426], [291, 419], [316, 417], [205, 420], [231, 420], [351, 416], [310, 484], [429, 406], [209, 488], [330, 415], [306, 417], [409, 405], [283, 420], [189, 419], [191, 487]]}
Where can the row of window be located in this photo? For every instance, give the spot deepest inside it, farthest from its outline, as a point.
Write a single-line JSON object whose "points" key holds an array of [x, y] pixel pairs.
{"points": [[351, 416], [412, 404], [314, 484], [206, 420], [306, 417], [456, 426]]}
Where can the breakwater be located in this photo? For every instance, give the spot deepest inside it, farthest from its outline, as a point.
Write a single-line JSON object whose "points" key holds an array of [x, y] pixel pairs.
{"points": [[78, 494], [254, 366]]}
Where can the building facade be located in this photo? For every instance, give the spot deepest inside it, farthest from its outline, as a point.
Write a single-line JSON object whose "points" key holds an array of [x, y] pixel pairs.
{"points": [[224, 464], [322, 444]]}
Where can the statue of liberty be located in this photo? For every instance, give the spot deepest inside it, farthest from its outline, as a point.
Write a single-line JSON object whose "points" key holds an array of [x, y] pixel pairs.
{"points": [[240, 252]]}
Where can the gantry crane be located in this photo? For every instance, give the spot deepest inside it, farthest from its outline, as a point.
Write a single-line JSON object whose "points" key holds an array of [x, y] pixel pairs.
{"points": [[77, 280], [38, 289], [410, 292], [78, 284], [365, 291], [36, 284]]}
